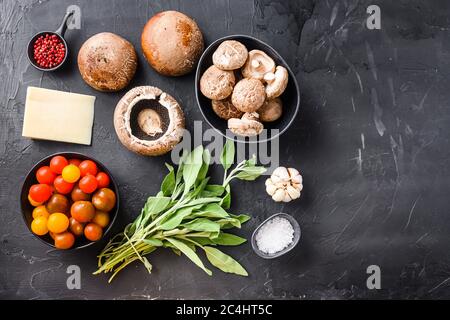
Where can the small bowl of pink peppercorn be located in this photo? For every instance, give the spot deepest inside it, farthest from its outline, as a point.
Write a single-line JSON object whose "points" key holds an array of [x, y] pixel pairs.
{"points": [[47, 50]]}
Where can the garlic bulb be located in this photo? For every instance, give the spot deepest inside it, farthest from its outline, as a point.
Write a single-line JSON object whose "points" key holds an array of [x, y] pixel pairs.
{"points": [[284, 184]]}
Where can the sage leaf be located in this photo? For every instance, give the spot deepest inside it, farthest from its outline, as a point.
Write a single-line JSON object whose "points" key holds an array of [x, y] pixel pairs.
{"points": [[211, 210], [242, 217], [168, 184], [250, 173], [228, 239], [188, 252], [229, 223], [212, 190], [205, 166], [226, 201], [227, 155], [202, 224], [178, 216], [223, 261], [155, 205], [192, 166]]}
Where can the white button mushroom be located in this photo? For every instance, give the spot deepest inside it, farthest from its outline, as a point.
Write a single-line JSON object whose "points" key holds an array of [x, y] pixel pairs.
{"points": [[285, 184], [257, 65], [230, 55], [247, 126], [276, 82]]}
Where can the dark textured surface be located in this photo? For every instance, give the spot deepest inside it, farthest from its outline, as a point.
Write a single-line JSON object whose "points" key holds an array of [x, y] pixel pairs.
{"points": [[371, 139]]}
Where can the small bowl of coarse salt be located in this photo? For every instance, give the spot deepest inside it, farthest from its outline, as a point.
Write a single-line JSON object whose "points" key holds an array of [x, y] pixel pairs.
{"points": [[277, 235]]}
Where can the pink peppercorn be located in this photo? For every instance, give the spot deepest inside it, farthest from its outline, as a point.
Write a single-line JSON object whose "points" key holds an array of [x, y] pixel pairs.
{"points": [[49, 51]]}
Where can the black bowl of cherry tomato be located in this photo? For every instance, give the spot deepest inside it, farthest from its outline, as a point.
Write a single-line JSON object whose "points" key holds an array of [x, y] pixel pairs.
{"points": [[69, 200]]}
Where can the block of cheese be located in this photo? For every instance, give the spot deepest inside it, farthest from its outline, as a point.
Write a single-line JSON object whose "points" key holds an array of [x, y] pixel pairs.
{"points": [[58, 115]]}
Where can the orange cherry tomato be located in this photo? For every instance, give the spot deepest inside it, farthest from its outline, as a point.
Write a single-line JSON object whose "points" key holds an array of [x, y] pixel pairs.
{"points": [[88, 183], [101, 218], [103, 180], [88, 166], [57, 164], [93, 232], [40, 192], [75, 162], [62, 186], [40, 211], [64, 240], [45, 175], [57, 222], [39, 226]]}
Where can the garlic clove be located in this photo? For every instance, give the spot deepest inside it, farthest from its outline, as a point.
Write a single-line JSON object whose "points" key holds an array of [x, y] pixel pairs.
{"points": [[297, 179], [279, 195], [269, 182], [293, 192], [293, 172], [282, 173], [286, 198], [270, 189], [298, 186]]}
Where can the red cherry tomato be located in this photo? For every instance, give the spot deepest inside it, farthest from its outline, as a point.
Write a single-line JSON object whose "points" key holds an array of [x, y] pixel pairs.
{"points": [[75, 162], [45, 175], [88, 166], [62, 186], [93, 232], [103, 180], [40, 192], [88, 184], [58, 163]]}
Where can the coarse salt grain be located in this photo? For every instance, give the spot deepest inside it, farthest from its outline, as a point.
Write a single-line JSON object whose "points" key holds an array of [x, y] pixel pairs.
{"points": [[274, 235]]}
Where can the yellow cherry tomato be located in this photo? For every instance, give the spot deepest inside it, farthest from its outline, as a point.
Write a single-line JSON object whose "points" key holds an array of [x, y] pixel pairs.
{"points": [[39, 226], [40, 211], [71, 173], [57, 222], [34, 203], [101, 218]]}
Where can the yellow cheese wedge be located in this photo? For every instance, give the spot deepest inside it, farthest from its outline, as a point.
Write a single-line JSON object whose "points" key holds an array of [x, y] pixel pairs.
{"points": [[58, 116]]}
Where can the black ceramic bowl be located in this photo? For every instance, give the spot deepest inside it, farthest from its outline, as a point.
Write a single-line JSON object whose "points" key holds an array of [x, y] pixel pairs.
{"points": [[290, 97], [27, 208], [30, 50], [60, 34]]}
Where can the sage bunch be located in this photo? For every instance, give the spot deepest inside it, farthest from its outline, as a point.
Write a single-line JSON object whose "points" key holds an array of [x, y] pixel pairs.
{"points": [[188, 215]]}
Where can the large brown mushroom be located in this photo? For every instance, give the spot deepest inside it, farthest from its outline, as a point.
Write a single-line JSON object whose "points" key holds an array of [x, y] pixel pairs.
{"points": [[107, 62], [217, 84], [172, 43], [148, 121], [248, 95]]}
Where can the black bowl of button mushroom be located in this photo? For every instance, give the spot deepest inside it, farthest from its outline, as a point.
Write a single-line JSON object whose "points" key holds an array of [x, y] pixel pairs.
{"points": [[245, 90]]}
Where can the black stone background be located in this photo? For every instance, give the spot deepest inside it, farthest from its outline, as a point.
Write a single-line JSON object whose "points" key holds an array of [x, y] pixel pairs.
{"points": [[389, 206]]}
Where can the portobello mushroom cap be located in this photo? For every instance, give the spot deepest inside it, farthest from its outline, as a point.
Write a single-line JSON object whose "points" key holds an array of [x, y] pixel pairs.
{"points": [[107, 62], [148, 121], [172, 43]]}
